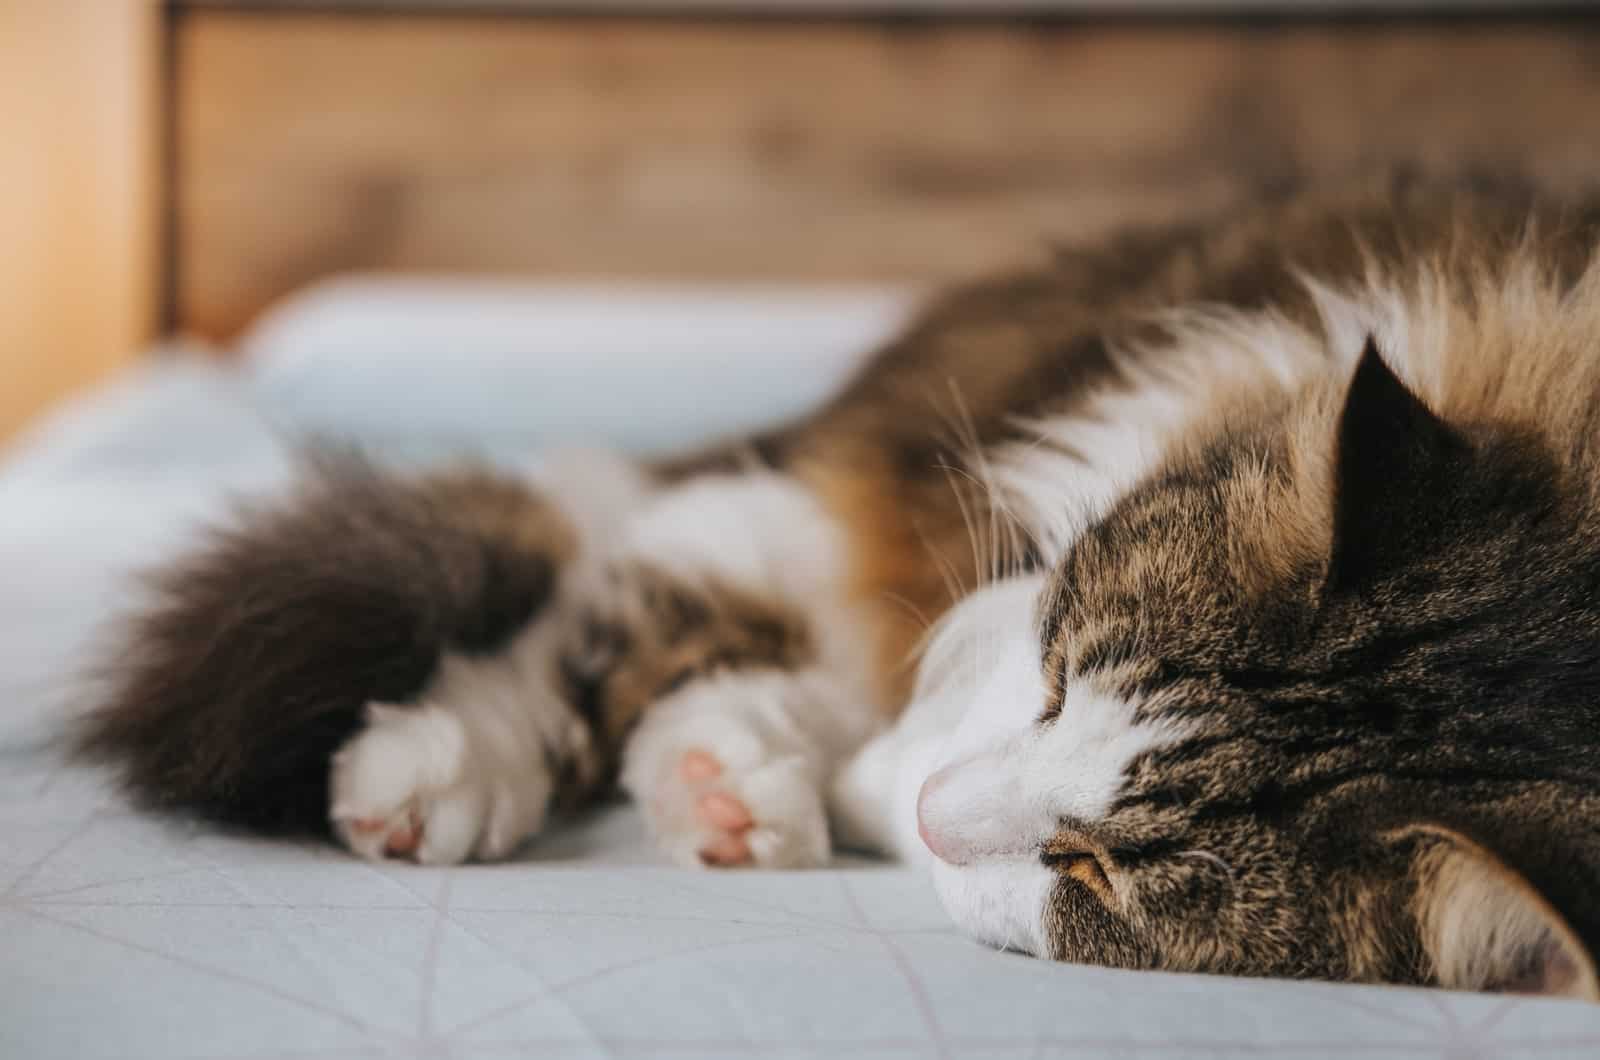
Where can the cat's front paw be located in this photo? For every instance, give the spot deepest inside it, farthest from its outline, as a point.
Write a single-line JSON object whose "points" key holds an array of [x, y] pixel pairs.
{"points": [[769, 816], [718, 791], [410, 785]]}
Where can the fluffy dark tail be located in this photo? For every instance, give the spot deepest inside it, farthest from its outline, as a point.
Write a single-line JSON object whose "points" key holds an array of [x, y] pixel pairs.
{"points": [[254, 662]]}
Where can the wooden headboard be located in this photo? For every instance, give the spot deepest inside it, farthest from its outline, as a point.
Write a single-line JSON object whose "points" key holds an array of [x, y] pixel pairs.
{"points": [[307, 142]]}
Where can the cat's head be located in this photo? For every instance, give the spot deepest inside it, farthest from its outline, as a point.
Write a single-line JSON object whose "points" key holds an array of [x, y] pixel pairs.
{"points": [[1318, 699]]}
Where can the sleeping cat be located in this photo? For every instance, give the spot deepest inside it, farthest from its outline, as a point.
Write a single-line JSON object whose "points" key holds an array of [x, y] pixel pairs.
{"points": [[1222, 599]]}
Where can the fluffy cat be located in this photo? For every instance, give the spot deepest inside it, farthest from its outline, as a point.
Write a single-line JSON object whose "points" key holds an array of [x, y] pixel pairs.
{"points": [[1222, 599]]}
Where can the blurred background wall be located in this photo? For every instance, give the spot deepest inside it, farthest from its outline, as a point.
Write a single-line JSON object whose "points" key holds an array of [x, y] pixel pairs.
{"points": [[183, 165], [77, 168]]}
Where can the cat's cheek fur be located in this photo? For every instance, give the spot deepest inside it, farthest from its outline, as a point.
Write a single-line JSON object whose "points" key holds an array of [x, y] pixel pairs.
{"points": [[999, 782], [978, 689], [873, 799], [1003, 903], [968, 772]]}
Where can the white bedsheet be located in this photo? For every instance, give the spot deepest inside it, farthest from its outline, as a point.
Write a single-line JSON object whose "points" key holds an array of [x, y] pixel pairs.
{"points": [[126, 936]]}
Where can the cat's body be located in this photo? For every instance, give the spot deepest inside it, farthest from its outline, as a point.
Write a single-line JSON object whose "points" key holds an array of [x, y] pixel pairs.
{"points": [[1261, 563]]}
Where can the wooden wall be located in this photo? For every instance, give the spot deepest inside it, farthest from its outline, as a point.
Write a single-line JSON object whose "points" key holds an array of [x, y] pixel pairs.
{"points": [[782, 149], [306, 143], [77, 167]]}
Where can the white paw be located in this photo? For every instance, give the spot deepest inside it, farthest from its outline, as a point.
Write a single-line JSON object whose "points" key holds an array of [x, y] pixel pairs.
{"points": [[721, 785], [771, 816], [410, 785]]}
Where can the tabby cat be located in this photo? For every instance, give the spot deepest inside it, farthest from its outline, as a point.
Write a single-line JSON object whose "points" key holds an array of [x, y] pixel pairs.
{"points": [[1220, 599]]}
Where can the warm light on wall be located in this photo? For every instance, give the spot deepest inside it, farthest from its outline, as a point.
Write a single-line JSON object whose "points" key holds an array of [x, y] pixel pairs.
{"points": [[77, 276]]}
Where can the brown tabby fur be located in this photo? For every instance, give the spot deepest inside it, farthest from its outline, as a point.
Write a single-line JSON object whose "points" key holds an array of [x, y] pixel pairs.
{"points": [[1327, 719], [889, 453]]}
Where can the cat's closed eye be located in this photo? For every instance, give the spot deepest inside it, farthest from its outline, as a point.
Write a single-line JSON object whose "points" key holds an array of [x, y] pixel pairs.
{"points": [[1083, 865]]}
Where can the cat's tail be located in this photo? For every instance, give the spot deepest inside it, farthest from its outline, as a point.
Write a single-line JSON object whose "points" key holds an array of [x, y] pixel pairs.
{"points": [[255, 660]]}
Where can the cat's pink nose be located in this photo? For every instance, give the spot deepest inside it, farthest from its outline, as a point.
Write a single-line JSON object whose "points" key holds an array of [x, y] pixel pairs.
{"points": [[942, 843]]}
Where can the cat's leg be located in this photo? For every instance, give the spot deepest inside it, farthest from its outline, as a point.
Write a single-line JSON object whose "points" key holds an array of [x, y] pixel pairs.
{"points": [[723, 647], [714, 641], [469, 770], [254, 661], [470, 766]]}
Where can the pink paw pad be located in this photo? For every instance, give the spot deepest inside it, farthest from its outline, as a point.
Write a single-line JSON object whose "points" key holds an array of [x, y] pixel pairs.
{"points": [[723, 811], [718, 809], [402, 839], [727, 850]]}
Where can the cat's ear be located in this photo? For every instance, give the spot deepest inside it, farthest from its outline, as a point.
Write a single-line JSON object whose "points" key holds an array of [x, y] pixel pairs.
{"points": [[1390, 457], [1484, 926]]}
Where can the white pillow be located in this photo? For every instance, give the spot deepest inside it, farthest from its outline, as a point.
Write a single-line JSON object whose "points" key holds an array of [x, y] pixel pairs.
{"points": [[497, 364]]}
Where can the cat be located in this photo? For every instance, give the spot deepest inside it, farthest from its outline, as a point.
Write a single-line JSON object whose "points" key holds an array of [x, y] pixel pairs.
{"points": [[1221, 598]]}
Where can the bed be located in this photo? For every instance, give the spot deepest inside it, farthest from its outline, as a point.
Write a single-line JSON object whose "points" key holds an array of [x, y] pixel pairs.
{"points": [[129, 936], [437, 228]]}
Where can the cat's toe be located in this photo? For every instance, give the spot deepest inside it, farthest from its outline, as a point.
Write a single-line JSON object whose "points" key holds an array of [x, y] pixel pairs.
{"points": [[724, 811], [726, 851], [376, 836], [403, 841], [729, 820], [400, 789]]}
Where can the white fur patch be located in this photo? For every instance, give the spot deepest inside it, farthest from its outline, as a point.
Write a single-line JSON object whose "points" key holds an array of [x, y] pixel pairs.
{"points": [[1005, 800], [1001, 903], [595, 490], [759, 530]]}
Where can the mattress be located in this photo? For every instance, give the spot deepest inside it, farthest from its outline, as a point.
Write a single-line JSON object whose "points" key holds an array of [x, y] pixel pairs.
{"points": [[130, 936]]}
